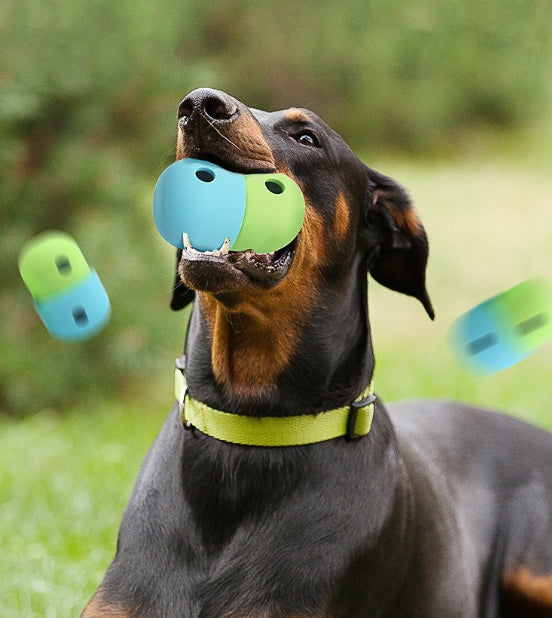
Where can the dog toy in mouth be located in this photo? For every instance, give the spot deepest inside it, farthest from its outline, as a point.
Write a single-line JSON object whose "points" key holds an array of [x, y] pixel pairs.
{"points": [[68, 295], [506, 328], [208, 204]]}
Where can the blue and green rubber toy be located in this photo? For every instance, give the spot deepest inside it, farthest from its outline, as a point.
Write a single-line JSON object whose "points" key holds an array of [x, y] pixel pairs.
{"points": [[506, 328], [68, 295], [261, 212]]}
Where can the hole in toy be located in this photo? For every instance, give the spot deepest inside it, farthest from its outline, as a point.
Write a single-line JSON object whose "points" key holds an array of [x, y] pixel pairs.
{"points": [[482, 343], [205, 175], [532, 324], [274, 186], [80, 317], [63, 265]]}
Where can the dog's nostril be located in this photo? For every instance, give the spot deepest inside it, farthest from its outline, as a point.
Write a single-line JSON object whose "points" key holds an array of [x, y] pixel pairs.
{"points": [[212, 105], [218, 108], [185, 108]]}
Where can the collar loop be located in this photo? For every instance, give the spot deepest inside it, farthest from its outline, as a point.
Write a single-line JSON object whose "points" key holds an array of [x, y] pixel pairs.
{"points": [[357, 423]]}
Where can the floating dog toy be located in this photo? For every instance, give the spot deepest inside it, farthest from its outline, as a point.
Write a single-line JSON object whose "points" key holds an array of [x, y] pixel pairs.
{"points": [[506, 328], [68, 296], [262, 212]]}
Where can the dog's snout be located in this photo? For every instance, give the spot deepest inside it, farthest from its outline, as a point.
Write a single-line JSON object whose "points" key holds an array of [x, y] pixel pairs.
{"points": [[215, 105]]}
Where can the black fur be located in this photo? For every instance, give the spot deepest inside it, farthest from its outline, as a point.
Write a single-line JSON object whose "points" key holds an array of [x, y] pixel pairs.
{"points": [[418, 519]]}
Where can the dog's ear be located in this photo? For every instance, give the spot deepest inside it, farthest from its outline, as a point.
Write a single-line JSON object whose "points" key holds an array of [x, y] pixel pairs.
{"points": [[397, 247], [182, 295]]}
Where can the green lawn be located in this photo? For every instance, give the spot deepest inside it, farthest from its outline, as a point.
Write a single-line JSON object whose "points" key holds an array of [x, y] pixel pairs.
{"points": [[64, 480]]}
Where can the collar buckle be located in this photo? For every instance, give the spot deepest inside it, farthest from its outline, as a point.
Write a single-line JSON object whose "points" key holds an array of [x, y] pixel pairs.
{"points": [[352, 419]]}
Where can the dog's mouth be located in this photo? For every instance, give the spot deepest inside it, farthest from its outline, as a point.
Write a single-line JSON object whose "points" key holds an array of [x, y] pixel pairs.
{"points": [[224, 270], [213, 270]]}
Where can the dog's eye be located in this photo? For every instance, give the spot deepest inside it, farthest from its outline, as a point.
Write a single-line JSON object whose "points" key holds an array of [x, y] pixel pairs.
{"points": [[307, 138]]}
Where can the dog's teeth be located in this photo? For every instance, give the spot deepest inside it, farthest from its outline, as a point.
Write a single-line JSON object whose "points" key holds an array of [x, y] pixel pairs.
{"points": [[216, 252], [186, 242], [225, 247]]}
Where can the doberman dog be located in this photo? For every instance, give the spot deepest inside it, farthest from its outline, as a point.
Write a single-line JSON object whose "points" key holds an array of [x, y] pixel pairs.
{"points": [[435, 510]]}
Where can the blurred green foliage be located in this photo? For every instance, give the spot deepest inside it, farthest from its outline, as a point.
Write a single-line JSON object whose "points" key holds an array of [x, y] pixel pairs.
{"points": [[88, 96]]}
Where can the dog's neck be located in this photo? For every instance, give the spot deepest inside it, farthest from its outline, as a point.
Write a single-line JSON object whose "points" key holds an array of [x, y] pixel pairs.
{"points": [[267, 354]]}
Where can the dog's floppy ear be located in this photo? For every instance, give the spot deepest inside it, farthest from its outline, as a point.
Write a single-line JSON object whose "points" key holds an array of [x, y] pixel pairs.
{"points": [[182, 295], [397, 242]]}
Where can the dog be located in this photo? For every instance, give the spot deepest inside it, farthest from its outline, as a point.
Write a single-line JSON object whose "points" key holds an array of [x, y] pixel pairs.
{"points": [[424, 509]]}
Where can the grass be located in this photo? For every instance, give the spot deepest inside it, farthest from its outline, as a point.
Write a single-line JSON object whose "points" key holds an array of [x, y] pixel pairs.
{"points": [[65, 479], [63, 487]]}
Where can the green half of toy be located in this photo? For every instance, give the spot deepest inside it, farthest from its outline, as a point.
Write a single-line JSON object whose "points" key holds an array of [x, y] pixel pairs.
{"points": [[274, 213], [51, 263], [526, 312]]}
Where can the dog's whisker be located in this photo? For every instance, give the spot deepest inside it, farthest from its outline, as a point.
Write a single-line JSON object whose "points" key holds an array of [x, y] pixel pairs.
{"points": [[211, 124]]}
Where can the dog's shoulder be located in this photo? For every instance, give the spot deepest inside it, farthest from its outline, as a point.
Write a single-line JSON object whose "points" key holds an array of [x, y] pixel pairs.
{"points": [[483, 475], [465, 435], [435, 416], [478, 460]]}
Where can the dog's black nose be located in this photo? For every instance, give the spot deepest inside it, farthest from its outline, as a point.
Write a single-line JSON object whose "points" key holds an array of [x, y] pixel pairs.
{"points": [[215, 105]]}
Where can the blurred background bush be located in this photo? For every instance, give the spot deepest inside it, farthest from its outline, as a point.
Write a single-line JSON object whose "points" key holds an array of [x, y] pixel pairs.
{"points": [[88, 99]]}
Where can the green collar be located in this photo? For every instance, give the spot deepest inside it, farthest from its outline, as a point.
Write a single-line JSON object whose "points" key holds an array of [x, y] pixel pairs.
{"points": [[353, 421]]}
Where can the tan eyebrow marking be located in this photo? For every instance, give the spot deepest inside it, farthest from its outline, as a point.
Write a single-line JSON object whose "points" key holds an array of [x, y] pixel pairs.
{"points": [[297, 115]]}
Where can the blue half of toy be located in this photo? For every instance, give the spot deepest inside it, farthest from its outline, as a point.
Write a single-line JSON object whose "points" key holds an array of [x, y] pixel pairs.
{"points": [[201, 199], [483, 341], [78, 313]]}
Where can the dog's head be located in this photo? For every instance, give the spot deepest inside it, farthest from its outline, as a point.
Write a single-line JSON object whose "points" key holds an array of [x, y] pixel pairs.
{"points": [[353, 213]]}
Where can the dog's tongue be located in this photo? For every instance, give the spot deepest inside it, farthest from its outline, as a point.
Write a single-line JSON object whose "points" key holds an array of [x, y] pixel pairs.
{"points": [[257, 212], [261, 258]]}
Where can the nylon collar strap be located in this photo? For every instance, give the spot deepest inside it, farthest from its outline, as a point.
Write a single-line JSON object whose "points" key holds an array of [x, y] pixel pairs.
{"points": [[352, 421]]}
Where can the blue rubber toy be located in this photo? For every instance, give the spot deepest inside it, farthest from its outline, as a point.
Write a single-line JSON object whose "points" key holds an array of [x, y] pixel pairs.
{"points": [[68, 295], [262, 212]]}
